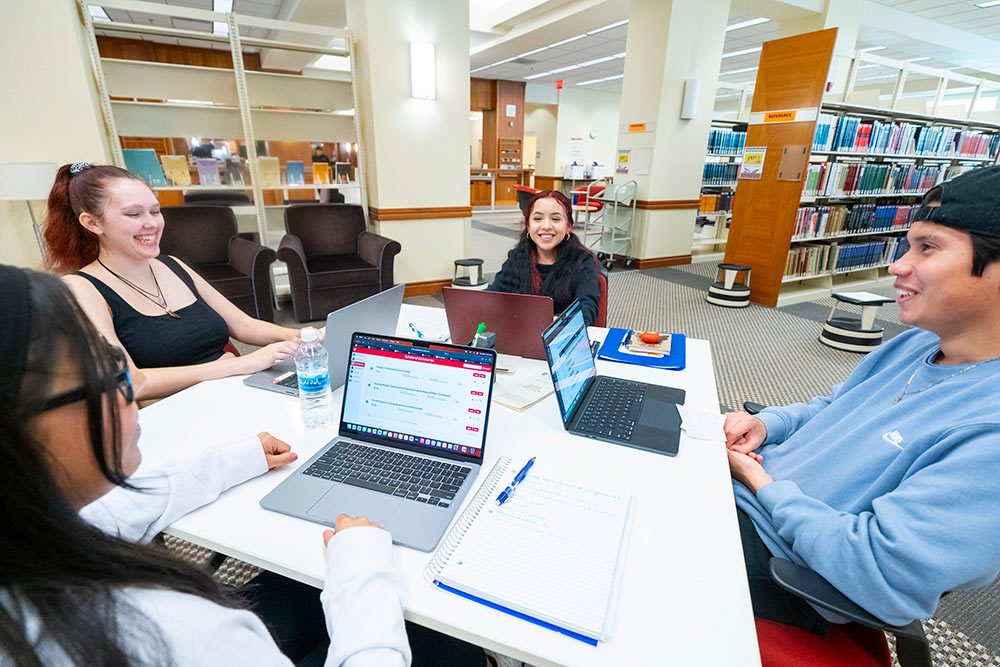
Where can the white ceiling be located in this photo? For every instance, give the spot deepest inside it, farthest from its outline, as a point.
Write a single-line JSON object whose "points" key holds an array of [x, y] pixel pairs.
{"points": [[956, 14], [500, 29], [262, 8]]}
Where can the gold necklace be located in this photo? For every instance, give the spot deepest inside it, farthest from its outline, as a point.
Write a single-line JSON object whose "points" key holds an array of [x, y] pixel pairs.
{"points": [[903, 393]]}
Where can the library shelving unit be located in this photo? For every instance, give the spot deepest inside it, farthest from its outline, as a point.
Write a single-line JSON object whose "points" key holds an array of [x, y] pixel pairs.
{"points": [[861, 168], [725, 147], [157, 99]]}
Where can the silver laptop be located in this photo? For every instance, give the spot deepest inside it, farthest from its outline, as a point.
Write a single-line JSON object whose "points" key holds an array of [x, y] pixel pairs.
{"points": [[412, 440], [378, 314]]}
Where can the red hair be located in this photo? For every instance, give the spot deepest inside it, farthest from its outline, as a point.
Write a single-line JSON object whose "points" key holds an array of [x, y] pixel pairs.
{"points": [[71, 246], [567, 207]]}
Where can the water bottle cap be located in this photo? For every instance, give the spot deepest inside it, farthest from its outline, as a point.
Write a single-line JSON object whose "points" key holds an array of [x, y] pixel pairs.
{"points": [[308, 334]]}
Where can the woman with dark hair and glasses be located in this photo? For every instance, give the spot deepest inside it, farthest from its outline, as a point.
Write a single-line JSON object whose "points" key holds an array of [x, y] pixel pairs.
{"points": [[75, 591], [550, 260]]}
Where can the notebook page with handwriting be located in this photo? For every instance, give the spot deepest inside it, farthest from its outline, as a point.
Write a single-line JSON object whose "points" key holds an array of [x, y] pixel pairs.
{"points": [[553, 553]]}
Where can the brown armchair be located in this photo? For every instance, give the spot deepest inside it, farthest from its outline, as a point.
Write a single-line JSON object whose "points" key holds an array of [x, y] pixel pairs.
{"points": [[332, 260], [206, 239]]}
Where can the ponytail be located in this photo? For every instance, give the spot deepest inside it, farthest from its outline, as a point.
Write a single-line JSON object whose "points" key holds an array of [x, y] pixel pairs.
{"points": [[79, 188]]}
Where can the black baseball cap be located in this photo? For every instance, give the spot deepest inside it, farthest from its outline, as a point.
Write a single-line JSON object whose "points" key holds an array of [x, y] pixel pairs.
{"points": [[970, 202]]}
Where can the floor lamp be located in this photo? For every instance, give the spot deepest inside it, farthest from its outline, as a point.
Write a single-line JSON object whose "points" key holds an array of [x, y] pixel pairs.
{"points": [[28, 181]]}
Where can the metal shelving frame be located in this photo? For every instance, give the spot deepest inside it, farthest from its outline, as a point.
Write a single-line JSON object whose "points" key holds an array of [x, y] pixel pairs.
{"points": [[236, 44]]}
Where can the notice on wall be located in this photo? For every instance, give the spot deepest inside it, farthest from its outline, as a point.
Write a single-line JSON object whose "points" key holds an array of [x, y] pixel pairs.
{"points": [[622, 166], [752, 167], [511, 111], [641, 160], [576, 148]]}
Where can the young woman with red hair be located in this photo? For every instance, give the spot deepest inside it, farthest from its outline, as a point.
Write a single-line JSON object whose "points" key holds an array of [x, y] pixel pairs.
{"points": [[550, 260], [103, 231]]}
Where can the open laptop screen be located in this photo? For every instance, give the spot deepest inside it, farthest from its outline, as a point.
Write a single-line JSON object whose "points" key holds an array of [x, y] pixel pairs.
{"points": [[418, 394], [570, 360]]}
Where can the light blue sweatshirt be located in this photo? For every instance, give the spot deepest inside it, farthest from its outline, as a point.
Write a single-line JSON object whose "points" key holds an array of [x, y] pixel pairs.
{"points": [[892, 504]]}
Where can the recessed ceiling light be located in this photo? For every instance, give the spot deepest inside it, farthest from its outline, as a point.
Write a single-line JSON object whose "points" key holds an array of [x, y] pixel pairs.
{"points": [[607, 27], [567, 41], [984, 5], [917, 60], [871, 48], [98, 14], [607, 78], [747, 24], [743, 52], [738, 71]]}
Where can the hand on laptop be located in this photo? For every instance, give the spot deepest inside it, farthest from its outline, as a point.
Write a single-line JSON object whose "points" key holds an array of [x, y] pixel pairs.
{"points": [[277, 452], [744, 433], [268, 356], [343, 523]]}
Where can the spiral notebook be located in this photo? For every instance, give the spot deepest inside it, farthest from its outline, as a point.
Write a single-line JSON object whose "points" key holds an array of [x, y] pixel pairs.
{"points": [[553, 554]]}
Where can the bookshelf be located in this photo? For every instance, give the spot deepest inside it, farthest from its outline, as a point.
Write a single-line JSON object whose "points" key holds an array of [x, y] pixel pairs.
{"points": [[840, 226], [231, 103], [725, 148]]}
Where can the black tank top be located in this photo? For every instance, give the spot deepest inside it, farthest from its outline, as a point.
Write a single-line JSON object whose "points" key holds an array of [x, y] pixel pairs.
{"points": [[160, 341]]}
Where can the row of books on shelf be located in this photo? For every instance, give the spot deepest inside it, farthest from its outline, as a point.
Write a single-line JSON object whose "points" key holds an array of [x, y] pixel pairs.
{"points": [[837, 179], [817, 259], [726, 142], [720, 203], [817, 221], [720, 173], [174, 170], [858, 135]]}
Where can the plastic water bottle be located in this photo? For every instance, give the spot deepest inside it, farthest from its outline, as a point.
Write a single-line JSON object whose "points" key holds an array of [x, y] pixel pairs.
{"points": [[314, 380]]}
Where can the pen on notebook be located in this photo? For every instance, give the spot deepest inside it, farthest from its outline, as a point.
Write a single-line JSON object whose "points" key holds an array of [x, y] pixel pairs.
{"points": [[416, 331], [518, 478]]}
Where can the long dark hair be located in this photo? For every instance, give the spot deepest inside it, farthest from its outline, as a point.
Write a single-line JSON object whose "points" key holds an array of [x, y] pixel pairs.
{"points": [[569, 246], [70, 245], [55, 568]]}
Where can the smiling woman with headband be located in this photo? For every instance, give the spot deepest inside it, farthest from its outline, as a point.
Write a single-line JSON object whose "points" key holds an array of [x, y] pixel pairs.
{"points": [[103, 229]]}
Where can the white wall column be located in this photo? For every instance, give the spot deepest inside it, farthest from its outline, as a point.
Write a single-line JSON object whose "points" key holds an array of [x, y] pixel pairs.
{"points": [[417, 150], [50, 112], [669, 41]]}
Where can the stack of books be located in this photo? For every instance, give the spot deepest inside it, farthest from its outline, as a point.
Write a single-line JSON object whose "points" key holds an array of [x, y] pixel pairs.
{"points": [[720, 173], [726, 142], [840, 179], [818, 221], [716, 203], [850, 134]]}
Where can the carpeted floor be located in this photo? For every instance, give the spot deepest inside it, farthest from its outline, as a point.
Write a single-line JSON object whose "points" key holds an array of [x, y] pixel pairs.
{"points": [[768, 355]]}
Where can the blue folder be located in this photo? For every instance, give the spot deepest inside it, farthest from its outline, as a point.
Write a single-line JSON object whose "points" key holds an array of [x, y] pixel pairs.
{"points": [[616, 338]]}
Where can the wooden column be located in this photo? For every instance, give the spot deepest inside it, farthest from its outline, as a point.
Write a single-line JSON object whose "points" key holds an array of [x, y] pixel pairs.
{"points": [[790, 82], [503, 135]]}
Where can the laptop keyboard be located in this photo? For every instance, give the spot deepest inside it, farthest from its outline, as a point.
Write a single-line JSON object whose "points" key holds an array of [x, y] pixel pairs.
{"points": [[292, 381], [430, 481], [613, 408]]}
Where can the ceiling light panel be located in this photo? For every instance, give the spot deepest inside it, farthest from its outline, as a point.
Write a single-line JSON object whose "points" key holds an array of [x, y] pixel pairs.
{"points": [[747, 24]]}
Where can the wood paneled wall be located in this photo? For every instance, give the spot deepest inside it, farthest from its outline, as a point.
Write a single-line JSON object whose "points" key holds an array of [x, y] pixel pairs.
{"points": [[137, 49], [496, 124]]}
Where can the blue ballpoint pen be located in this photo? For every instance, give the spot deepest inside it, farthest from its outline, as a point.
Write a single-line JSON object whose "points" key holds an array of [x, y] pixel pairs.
{"points": [[518, 478]]}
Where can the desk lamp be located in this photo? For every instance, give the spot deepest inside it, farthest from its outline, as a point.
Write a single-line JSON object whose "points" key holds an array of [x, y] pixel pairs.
{"points": [[27, 181]]}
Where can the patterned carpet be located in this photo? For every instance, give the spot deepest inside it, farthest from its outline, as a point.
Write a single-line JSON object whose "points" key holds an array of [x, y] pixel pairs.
{"points": [[768, 355]]}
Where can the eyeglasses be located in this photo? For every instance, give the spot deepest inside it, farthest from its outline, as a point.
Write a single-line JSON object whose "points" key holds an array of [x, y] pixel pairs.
{"points": [[121, 376]]}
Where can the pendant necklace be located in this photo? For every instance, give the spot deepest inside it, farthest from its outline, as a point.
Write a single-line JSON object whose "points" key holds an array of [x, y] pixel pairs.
{"points": [[904, 392], [157, 298]]}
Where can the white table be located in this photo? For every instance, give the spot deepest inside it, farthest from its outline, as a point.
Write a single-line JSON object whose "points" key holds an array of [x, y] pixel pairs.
{"points": [[684, 597]]}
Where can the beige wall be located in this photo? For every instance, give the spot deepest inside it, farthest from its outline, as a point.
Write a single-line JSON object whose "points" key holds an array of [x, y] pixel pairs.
{"points": [[540, 121], [50, 110], [581, 111], [404, 135]]}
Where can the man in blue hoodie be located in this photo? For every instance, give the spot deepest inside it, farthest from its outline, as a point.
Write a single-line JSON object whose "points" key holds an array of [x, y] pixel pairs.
{"points": [[889, 488]]}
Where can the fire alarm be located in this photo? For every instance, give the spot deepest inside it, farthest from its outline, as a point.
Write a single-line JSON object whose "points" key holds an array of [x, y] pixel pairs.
{"points": [[559, 84]]}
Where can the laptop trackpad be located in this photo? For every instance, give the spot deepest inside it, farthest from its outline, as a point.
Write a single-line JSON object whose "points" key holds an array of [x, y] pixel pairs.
{"points": [[355, 501]]}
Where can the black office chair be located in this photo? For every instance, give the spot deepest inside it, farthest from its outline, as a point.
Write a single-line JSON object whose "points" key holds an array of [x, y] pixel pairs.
{"points": [[912, 647]]}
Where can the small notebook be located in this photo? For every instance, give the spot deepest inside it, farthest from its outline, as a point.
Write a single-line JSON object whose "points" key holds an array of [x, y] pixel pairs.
{"points": [[553, 554]]}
